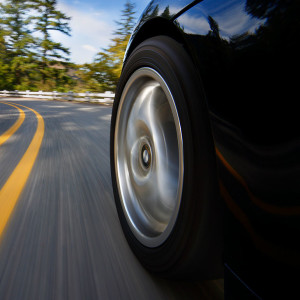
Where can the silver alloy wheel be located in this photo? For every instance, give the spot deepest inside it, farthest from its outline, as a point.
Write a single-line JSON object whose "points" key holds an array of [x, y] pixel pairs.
{"points": [[148, 157]]}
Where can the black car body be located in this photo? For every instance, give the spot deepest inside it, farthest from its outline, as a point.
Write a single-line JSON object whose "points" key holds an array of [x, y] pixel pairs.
{"points": [[247, 57]]}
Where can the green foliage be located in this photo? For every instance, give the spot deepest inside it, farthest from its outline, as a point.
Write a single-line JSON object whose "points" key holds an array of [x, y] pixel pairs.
{"points": [[50, 53], [103, 74], [28, 62], [49, 19], [4, 70], [17, 39], [127, 22]]}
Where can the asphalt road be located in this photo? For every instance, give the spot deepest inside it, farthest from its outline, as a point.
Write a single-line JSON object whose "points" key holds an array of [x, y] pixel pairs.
{"points": [[62, 238]]}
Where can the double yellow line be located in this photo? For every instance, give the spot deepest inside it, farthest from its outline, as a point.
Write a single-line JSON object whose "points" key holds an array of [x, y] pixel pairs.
{"points": [[12, 189]]}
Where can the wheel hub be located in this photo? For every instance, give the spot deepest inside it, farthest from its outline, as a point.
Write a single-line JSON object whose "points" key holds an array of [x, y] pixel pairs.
{"points": [[149, 157], [146, 156]]}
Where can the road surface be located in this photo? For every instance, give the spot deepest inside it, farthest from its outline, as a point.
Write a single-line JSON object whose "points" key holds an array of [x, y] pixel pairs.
{"points": [[60, 237]]}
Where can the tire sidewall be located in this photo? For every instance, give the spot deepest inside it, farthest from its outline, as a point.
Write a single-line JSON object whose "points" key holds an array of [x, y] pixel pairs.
{"points": [[177, 254]]}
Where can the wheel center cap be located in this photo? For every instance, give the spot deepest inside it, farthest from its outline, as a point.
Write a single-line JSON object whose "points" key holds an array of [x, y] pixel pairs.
{"points": [[146, 156]]}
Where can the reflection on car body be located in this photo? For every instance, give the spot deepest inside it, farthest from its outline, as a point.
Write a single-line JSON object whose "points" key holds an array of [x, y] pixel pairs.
{"points": [[244, 53]]}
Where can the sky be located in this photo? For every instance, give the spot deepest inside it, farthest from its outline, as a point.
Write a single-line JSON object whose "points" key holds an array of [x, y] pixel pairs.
{"points": [[92, 24]]}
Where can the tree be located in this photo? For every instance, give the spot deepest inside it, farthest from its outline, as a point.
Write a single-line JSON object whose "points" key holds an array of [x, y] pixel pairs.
{"points": [[4, 66], [127, 20], [26, 60], [107, 65], [17, 39], [50, 53]]}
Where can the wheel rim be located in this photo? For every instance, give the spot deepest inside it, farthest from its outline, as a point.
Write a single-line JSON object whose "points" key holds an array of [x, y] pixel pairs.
{"points": [[149, 157]]}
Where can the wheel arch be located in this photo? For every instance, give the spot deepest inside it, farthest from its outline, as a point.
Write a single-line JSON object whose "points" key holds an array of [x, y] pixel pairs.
{"points": [[159, 26], [155, 27]]}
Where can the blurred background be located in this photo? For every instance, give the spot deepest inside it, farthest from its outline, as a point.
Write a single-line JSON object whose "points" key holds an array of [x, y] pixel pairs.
{"points": [[64, 45]]}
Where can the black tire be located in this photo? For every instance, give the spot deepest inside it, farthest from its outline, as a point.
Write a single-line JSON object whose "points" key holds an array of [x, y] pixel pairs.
{"points": [[194, 247]]}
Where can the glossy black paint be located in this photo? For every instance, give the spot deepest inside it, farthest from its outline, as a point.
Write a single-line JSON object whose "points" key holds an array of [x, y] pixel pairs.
{"points": [[247, 54]]}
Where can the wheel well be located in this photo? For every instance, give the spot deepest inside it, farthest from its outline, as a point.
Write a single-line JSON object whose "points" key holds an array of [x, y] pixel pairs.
{"points": [[155, 27]]}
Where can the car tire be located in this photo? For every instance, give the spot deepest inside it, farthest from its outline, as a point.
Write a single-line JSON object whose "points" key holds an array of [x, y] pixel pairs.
{"points": [[163, 163]]}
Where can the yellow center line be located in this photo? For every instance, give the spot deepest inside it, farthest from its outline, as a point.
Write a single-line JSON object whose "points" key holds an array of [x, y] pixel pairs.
{"points": [[12, 189], [8, 133]]}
